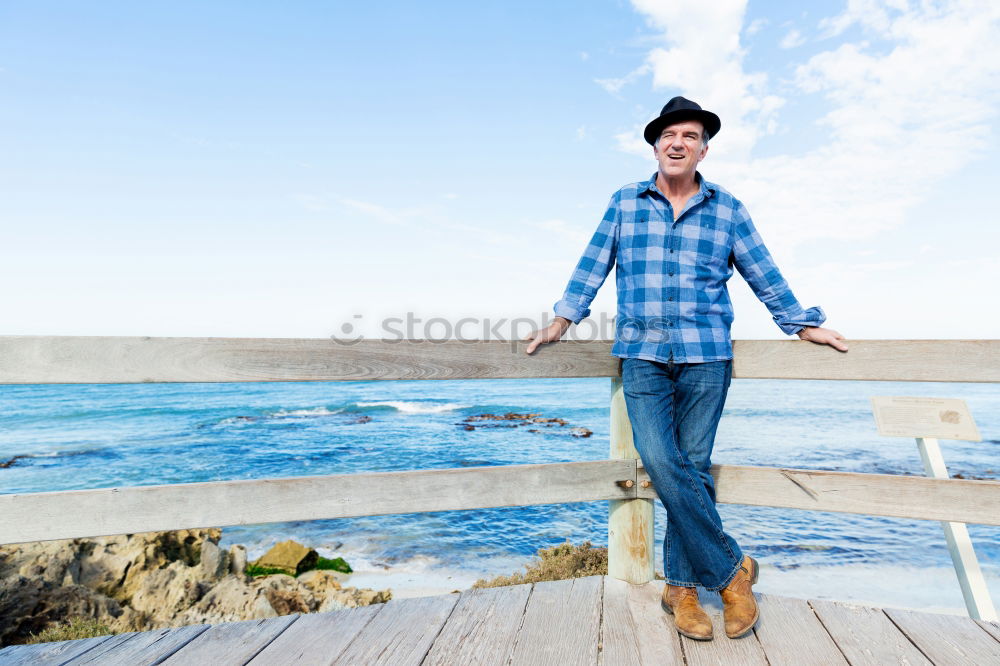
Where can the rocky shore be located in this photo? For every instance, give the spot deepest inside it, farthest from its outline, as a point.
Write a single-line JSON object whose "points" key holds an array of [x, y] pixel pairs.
{"points": [[140, 582]]}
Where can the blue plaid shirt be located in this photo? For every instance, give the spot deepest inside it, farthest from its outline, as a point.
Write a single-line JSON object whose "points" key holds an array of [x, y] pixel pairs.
{"points": [[673, 302]]}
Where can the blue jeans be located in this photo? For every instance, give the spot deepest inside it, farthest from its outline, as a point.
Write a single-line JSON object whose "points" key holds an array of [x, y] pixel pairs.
{"points": [[675, 409]]}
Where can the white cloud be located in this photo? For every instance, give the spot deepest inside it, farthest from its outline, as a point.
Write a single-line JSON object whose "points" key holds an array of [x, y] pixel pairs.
{"points": [[614, 86], [792, 39], [756, 26], [703, 61], [906, 107]]}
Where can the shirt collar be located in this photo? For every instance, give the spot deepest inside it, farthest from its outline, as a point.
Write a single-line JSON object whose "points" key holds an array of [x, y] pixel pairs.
{"points": [[705, 188]]}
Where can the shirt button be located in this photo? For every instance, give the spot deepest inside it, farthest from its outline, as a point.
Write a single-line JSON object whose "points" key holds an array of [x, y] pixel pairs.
{"points": [[671, 250], [671, 274], [671, 298]]}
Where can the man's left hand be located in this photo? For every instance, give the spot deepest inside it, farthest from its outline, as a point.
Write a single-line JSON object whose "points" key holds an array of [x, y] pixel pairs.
{"points": [[823, 336]]}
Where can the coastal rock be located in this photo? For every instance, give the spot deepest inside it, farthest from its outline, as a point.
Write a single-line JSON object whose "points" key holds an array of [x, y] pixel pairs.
{"points": [[163, 593], [29, 605], [290, 556], [141, 582], [230, 600], [237, 559], [214, 561], [112, 565], [351, 597]]}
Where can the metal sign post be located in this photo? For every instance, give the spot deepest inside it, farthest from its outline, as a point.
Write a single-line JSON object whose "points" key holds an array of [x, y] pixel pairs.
{"points": [[926, 419]]}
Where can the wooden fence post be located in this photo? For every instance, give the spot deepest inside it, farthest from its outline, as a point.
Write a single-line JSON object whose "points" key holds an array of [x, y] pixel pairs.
{"points": [[630, 522]]}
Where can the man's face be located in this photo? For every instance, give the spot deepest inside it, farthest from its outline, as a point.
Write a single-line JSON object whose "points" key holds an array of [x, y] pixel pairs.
{"points": [[680, 149]]}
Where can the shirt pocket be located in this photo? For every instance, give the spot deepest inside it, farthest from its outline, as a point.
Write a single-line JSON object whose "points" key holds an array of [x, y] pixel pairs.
{"points": [[714, 245]]}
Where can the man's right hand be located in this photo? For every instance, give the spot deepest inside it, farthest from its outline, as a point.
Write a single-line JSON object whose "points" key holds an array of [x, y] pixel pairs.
{"points": [[550, 333]]}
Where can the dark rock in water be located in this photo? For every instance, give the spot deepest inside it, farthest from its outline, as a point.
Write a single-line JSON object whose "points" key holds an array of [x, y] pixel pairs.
{"points": [[13, 460], [514, 420]]}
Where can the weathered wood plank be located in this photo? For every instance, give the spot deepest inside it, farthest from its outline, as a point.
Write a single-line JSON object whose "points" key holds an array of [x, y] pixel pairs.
{"points": [[401, 633], [101, 360], [947, 640], [790, 633], [894, 495], [231, 642], [992, 628], [745, 651], [561, 623], [106, 511], [482, 627], [37, 359], [45, 654], [865, 635], [141, 648], [634, 628], [317, 638], [886, 360]]}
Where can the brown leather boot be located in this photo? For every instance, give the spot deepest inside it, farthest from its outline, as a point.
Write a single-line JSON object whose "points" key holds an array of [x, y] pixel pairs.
{"points": [[739, 605], [689, 617]]}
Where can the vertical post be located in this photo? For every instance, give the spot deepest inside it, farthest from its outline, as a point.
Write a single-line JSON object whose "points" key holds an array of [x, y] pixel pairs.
{"points": [[630, 522], [963, 556]]}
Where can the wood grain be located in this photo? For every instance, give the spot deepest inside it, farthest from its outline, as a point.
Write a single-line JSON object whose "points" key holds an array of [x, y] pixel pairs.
{"points": [[634, 628], [630, 521], [865, 635], [894, 495], [102, 360], [38, 359], [46, 654], [316, 638], [781, 617], [947, 640], [482, 627], [561, 623], [401, 634], [85, 513], [231, 642], [141, 648]]}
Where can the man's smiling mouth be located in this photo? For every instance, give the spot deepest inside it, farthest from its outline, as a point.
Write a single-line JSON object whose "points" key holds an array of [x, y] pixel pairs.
{"points": [[676, 157]]}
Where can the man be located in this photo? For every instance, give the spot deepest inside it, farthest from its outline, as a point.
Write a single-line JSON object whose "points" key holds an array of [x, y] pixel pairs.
{"points": [[675, 239]]}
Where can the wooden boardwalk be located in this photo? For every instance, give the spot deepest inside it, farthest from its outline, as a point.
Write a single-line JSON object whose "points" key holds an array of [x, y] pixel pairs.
{"points": [[593, 620]]}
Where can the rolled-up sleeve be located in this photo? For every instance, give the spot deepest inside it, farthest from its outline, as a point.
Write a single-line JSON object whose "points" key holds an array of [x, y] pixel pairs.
{"points": [[755, 264], [593, 267]]}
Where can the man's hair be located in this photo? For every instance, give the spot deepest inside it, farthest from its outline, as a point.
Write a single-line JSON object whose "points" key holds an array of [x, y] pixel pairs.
{"points": [[705, 136]]}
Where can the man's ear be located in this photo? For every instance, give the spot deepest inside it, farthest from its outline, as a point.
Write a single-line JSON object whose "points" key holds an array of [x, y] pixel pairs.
{"points": [[704, 151]]}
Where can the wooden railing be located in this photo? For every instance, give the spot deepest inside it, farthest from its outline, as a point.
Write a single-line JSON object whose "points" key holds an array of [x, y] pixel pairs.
{"points": [[620, 480]]}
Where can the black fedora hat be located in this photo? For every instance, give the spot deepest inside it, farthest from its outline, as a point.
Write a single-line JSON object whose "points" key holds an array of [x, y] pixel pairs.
{"points": [[675, 111]]}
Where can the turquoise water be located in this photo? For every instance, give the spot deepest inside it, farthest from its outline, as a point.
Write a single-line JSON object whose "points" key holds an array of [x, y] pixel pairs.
{"points": [[94, 436]]}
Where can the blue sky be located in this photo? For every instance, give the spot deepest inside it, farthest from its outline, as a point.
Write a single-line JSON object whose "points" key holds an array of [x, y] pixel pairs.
{"points": [[255, 169]]}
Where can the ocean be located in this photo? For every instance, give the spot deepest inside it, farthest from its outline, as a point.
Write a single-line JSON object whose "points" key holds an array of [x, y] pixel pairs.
{"points": [[67, 437]]}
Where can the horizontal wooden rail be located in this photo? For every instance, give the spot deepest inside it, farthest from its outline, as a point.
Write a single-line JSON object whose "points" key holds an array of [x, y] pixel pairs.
{"points": [[99, 360], [893, 495], [86, 513], [105, 511]]}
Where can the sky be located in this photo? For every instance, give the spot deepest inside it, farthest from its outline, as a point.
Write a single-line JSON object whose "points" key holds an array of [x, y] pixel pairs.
{"points": [[308, 169]]}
